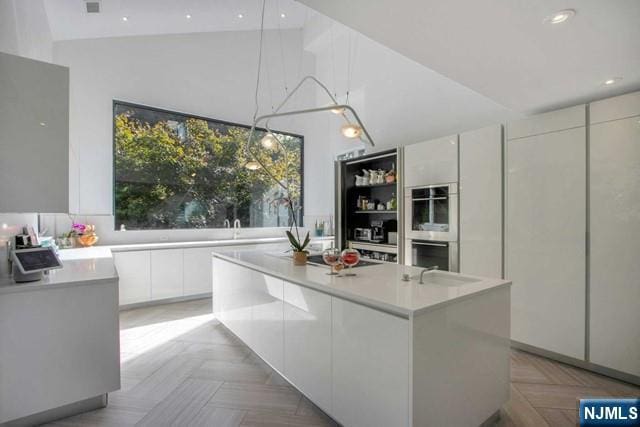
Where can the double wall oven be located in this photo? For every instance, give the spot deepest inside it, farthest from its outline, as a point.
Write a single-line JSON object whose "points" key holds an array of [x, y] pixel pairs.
{"points": [[431, 224]]}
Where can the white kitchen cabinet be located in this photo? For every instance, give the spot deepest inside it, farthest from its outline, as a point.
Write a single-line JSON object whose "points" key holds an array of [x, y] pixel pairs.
{"points": [[233, 297], [166, 274], [134, 271], [267, 320], [614, 326], [197, 271], [34, 141], [370, 376], [307, 342], [480, 195], [431, 162], [553, 121], [545, 245]]}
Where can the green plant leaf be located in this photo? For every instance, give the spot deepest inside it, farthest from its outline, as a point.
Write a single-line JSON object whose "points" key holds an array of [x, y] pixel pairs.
{"points": [[294, 243], [306, 242]]}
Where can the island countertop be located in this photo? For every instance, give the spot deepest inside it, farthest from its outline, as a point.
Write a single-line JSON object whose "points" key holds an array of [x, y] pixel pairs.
{"points": [[378, 286], [80, 267]]}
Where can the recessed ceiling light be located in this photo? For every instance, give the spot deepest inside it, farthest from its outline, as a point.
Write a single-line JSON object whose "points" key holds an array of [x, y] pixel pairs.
{"points": [[125, 19], [43, 124], [559, 17], [612, 80], [283, 15], [188, 16], [240, 16]]}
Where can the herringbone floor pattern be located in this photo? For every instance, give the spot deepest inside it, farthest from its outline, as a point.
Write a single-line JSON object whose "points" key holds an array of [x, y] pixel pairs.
{"points": [[180, 367]]}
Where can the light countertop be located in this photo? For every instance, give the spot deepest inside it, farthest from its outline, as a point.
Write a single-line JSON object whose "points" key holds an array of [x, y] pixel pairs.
{"points": [[95, 264], [379, 286], [81, 267], [199, 243]]}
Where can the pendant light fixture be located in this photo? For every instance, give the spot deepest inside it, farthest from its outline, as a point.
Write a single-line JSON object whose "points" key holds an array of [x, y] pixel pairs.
{"points": [[268, 141], [252, 165], [351, 129]]}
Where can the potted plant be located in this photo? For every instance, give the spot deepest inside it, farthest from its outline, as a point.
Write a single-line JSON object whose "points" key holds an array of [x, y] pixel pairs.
{"points": [[298, 247]]}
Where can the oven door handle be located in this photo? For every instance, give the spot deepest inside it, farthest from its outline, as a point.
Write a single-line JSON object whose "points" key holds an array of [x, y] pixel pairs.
{"points": [[441, 245]]}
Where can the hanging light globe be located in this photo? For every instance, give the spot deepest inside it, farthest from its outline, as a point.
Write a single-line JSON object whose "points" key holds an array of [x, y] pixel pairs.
{"points": [[351, 130], [252, 165], [338, 110], [269, 141]]}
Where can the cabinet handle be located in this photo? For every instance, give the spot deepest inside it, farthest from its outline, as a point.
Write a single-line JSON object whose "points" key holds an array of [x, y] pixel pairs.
{"points": [[441, 245]]}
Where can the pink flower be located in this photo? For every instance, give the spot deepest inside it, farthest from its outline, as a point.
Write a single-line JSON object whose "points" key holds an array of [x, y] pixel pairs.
{"points": [[79, 228]]}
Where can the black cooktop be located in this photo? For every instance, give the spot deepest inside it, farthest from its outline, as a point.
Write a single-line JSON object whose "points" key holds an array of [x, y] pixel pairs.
{"points": [[317, 259]]}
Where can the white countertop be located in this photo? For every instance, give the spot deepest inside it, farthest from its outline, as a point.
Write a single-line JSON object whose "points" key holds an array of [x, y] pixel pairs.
{"points": [[378, 286], [83, 266], [199, 243], [95, 264]]}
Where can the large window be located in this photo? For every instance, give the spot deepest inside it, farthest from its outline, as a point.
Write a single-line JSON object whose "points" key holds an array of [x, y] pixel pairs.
{"points": [[173, 170]]}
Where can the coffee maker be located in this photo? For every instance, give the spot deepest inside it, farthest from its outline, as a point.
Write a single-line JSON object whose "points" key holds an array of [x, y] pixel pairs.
{"points": [[377, 231]]}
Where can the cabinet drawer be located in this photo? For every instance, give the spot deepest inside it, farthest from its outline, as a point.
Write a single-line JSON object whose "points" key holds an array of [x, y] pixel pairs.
{"points": [[166, 274], [134, 271], [197, 271]]}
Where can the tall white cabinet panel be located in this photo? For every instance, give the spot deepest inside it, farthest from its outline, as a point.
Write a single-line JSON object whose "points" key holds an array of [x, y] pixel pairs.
{"points": [[34, 136], [166, 274], [431, 162], [134, 271], [545, 244], [370, 366], [267, 319], [480, 193], [197, 271], [307, 342], [233, 297], [614, 326]]}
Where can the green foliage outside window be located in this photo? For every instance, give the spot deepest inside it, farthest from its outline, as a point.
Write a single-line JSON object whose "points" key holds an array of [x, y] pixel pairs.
{"points": [[177, 171]]}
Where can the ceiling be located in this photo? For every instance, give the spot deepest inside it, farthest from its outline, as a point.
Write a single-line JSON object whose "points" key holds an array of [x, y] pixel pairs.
{"points": [[69, 20], [502, 49], [400, 101]]}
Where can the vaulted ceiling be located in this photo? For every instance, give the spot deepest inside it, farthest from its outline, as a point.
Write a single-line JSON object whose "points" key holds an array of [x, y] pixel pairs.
{"points": [[503, 50]]}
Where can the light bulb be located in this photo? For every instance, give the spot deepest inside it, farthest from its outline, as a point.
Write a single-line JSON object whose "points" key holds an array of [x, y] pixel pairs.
{"points": [[268, 141], [252, 165], [560, 17], [351, 130], [338, 110]]}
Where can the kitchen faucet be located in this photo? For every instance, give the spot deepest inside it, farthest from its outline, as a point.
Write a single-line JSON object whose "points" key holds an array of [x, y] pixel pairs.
{"points": [[236, 228], [433, 267], [226, 223]]}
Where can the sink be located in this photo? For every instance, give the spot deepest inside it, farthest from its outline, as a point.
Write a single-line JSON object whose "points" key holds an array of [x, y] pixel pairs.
{"points": [[443, 279]]}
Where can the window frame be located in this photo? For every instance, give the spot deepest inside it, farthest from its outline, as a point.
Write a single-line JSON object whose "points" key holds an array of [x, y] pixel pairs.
{"points": [[117, 102]]}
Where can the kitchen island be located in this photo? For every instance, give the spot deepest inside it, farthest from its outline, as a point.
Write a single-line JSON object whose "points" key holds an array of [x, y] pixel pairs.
{"points": [[373, 350], [59, 339]]}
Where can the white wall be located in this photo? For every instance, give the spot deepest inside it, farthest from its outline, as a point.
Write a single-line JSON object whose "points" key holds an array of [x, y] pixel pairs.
{"points": [[399, 100], [24, 29], [208, 74]]}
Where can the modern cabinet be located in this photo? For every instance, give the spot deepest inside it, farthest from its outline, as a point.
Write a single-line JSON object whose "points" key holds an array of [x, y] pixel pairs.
{"points": [[371, 390], [233, 298], [197, 271], [480, 195], [267, 319], [307, 342], [431, 162], [364, 366], [545, 242], [166, 274], [614, 285], [34, 141], [134, 271]]}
